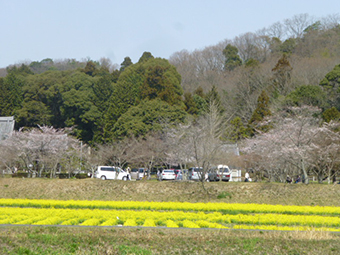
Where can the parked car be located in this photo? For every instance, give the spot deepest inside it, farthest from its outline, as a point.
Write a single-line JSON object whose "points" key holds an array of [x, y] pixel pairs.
{"points": [[179, 174], [214, 175], [167, 174], [111, 173], [218, 173], [194, 173], [138, 173], [225, 172]]}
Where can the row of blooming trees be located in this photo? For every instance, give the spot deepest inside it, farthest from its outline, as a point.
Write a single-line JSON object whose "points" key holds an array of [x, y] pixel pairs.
{"points": [[40, 150], [297, 144]]}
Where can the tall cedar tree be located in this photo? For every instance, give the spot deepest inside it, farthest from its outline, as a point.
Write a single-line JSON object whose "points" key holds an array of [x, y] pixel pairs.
{"points": [[190, 104], [145, 57], [282, 75], [262, 110], [213, 96], [127, 62], [233, 60], [237, 130], [90, 68]]}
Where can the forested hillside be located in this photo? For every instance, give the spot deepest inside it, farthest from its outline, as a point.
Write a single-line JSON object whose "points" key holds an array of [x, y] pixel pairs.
{"points": [[239, 88]]}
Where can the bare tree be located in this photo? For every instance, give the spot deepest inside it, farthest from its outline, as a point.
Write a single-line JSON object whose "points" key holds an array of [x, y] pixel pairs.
{"points": [[202, 140], [297, 24], [330, 21], [179, 149], [148, 152], [276, 30]]}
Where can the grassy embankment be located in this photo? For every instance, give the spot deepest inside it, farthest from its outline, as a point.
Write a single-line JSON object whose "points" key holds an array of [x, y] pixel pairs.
{"points": [[89, 240]]}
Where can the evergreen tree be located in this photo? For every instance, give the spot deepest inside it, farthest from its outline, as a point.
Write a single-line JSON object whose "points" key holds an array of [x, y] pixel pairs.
{"points": [[11, 94], [162, 81], [115, 75], [199, 91], [190, 104], [127, 62], [90, 68], [237, 130], [282, 76], [214, 96], [331, 114], [262, 110], [148, 116], [148, 80], [307, 95], [331, 85], [233, 60], [145, 57]]}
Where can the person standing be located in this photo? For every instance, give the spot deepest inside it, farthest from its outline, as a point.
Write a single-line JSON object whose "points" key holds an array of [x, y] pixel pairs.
{"points": [[246, 177]]}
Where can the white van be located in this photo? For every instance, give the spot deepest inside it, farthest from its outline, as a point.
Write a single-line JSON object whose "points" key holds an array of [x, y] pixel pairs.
{"points": [[111, 173]]}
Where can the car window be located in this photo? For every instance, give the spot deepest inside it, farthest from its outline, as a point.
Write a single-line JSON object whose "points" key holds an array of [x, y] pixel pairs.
{"points": [[168, 171], [110, 169]]}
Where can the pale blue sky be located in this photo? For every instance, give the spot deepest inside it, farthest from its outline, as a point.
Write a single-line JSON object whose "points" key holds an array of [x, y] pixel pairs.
{"points": [[32, 30]]}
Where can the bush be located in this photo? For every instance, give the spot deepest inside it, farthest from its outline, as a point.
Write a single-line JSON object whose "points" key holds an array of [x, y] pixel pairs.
{"points": [[63, 176], [81, 176], [6, 175], [20, 174], [224, 194]]}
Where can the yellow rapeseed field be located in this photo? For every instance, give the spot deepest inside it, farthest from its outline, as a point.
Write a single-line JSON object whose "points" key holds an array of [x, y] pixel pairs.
{"points": [[169, 214]]}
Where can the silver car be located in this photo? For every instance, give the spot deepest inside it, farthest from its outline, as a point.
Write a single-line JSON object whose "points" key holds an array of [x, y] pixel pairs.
{"points": [[195, 173], [138, 173]]}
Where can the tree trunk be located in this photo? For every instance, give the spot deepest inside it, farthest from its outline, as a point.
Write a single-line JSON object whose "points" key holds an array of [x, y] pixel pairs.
{"points": [[320, 177], [305, 174]]}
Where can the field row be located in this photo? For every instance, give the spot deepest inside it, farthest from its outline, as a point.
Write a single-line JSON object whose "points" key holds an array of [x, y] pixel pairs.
{"points": [[174, 206], [98, 217]]}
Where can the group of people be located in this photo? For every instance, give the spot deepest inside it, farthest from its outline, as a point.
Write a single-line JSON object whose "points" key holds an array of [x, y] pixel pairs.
{"points": [[290, 180]]}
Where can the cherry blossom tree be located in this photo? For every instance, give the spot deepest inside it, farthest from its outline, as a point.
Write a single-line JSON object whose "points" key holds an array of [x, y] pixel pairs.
{"points": [[44, 149], [325, 151], [297, 144]]}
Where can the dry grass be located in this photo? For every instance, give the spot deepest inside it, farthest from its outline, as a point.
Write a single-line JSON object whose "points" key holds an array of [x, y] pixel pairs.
{"points": [[95, 189]]}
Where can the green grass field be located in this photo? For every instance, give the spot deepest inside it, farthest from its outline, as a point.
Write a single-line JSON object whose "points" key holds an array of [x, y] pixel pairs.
{"points": [[138, 240]]}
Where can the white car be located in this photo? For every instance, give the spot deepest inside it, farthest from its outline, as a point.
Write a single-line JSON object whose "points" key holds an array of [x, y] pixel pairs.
{"points": [[195, 173], [111, 173], [167, 174]]}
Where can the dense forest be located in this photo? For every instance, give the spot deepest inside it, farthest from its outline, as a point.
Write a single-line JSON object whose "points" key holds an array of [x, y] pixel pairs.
{"points": [[249, 84]]}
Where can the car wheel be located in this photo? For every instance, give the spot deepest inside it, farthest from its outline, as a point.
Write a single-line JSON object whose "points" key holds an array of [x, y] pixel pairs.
{"points": [[103, 177], [124, 178]]}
